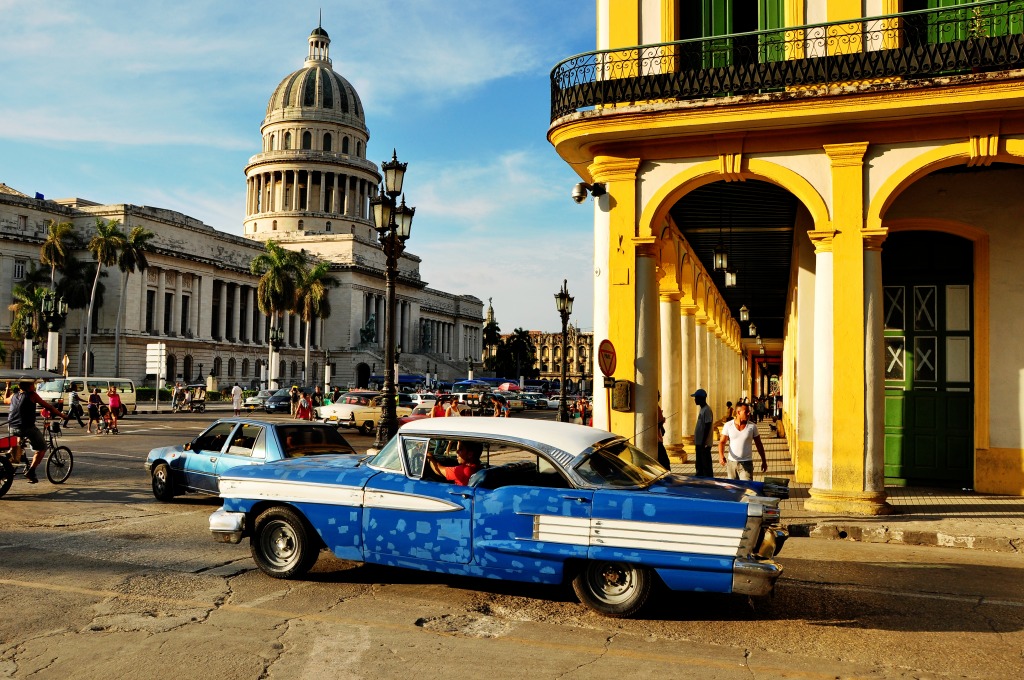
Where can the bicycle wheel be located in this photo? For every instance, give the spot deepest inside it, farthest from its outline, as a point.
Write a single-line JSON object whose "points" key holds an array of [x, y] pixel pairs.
{"points": [[6, 476], [59, 464]]}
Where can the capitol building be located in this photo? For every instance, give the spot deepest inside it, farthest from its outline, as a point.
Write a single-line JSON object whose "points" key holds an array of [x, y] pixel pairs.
{"points": [[308, 188]]}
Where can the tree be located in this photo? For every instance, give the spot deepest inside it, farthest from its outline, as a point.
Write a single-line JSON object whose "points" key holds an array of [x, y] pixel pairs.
{"points": [[57, 247], [278, 270], [104, 246], [514, 356], [491, 337], [132, 258], [27, 307], [74, 287], [311, 300]]}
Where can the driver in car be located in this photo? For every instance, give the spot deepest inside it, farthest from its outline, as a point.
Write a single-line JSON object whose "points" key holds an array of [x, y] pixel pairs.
{"points": [[469, 462]]}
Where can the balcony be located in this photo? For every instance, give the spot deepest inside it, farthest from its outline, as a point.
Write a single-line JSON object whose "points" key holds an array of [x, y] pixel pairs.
{"points": [[981, 36]]}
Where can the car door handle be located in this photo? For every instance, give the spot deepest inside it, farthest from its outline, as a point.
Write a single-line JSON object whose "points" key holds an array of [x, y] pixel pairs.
{"points": [[213, 459], [460, 494], [578, 499]]}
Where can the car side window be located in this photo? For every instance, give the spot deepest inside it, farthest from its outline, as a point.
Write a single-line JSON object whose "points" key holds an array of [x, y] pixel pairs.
{"points": [[214, 439], [243, 441], [415, 453], [390, 457]]}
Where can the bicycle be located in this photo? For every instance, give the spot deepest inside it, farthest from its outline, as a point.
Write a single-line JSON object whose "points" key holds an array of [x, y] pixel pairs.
{"points": [[59, 459]]}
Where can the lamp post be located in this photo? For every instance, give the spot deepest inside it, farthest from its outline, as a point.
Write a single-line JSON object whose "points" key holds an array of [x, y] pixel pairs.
{"points": [[55, 311], [469, 374], [276, 340], [563, 303], [393, 222]]}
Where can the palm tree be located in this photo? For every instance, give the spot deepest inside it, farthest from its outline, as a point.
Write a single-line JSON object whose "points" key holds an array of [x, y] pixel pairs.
{"points": [[56, 249], [523, 350], [311, 300], [491, 336], [132, 258], [75, 289], [278, 269], [27, 319], [104, 246]]}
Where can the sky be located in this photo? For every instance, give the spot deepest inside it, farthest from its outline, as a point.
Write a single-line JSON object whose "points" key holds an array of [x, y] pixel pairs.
{"points": [[160, 103]]}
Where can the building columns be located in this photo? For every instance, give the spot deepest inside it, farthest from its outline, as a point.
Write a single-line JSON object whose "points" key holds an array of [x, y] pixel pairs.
{"points": [[688, 372], [672, 389], [647, 351]]}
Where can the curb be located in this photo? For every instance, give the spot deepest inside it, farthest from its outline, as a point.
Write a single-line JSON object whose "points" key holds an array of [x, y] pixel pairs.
{"points": [[880, 533]]}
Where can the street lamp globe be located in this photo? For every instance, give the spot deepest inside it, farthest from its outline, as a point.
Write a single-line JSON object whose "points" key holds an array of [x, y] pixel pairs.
{"points": [[394, 174]]}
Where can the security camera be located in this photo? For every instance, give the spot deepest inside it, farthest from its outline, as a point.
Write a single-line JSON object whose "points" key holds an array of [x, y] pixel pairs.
{"points": [[579, 192]]}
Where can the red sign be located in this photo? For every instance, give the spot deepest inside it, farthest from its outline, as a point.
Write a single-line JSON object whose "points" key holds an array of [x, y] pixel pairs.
{"points": [[606, 357]]}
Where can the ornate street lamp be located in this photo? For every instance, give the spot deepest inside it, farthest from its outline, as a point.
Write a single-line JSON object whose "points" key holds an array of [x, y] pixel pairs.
{"points": [[563, 303], [394, 223], [54, 312], [752, 331], [744, 313], [730, 278], [276, 340], [469, 374]]}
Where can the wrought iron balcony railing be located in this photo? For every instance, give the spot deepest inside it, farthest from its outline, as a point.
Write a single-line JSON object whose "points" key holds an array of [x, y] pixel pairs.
{"points": [[907, 46]]}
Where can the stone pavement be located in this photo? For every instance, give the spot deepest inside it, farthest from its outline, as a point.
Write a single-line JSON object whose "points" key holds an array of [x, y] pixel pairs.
{"points": [[921, 516]]}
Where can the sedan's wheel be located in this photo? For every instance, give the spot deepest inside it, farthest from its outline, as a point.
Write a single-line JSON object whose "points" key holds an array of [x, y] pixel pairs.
{"points": [[615, 589], [6, 475], [367, 427], [162, 487], [282, 544]]}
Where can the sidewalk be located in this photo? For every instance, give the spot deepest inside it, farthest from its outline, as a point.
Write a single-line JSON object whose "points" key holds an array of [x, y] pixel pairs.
{"points": [[921, 516]]}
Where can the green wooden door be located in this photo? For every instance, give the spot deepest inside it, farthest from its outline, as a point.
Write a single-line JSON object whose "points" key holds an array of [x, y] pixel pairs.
{"points": [[929, 400], [726, 17]]}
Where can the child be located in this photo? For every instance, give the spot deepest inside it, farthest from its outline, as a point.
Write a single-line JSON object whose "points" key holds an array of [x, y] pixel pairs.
{"points": [[106, 425], [95, 401]]}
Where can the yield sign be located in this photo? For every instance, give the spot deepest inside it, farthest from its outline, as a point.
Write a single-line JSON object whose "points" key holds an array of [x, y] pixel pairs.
{"points": [[606, 357]]}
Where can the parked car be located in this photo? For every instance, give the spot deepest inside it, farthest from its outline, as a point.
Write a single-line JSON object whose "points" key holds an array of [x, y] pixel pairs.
{"points": [[551, 502], [538, 399], [281, 400], [257, 401], [418, 413], [359, 410], [423, 399], [197, 465]]}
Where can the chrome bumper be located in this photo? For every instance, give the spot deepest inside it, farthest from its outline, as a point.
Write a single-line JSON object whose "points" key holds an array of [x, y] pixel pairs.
{"points": [[227, 527], [754, 577]]}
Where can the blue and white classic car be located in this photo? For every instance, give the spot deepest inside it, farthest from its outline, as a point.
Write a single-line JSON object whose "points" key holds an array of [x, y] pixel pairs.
{"points": [[549, 502]]}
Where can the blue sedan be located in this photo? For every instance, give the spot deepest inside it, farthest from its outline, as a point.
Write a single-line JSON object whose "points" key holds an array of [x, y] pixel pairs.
{"points": [[197, 466], [549, 502]]}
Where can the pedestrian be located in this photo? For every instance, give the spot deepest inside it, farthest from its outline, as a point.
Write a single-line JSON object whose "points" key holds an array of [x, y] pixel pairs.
{"points": [[452, 407], [730, 412], [236, 399], [304, 409], [75, 411], [662, 453], [335, 395], [584, 406], [294, 397], [95, 401], [114, 401], [176, 395], [438, 409], [702, 433], [741, 435], [318, 397]]}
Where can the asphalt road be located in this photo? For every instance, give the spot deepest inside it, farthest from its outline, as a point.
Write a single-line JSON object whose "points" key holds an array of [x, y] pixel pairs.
{"points": [[99, 580]]}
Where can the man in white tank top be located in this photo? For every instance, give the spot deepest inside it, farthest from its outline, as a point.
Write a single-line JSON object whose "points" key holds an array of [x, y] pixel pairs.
{"points": [[741, 435]]}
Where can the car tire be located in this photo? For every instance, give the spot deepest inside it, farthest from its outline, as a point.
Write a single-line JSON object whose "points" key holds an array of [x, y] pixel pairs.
{"points": [[6, 476], [367, 427], [163, 488], [615, 589], [59, 464], [282, 543], [122, 412]]}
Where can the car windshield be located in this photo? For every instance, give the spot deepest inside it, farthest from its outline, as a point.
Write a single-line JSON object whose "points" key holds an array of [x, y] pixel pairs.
{"points": [[51, 386], [617, 463], [301, 441]]}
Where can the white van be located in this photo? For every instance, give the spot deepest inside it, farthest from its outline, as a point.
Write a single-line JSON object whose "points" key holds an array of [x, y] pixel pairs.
{"points": [[61, 388]]}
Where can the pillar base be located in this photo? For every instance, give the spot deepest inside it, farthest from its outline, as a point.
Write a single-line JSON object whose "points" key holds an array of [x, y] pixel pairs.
{"points": [[677, 451], [848, 502], [687, 440]]}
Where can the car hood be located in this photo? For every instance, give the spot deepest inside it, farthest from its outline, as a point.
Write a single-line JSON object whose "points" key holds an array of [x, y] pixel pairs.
{"points": [[699, 487], [165, 452]]}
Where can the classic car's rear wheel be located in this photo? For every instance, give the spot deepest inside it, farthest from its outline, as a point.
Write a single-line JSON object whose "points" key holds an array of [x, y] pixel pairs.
{"points": [[367, 427], [615, 589], [162, 487], [282, 543]]}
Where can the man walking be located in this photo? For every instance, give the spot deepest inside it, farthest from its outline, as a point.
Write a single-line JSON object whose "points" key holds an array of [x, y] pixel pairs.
{"points": [[236, 399], [702, 432], [741, 434]]}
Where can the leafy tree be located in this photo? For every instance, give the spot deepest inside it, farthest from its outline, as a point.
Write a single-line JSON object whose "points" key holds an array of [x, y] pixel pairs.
{"points": [[105, 245], [515, 356], [278, 269], [57, 247], [28, 311], [311, 299], [132, 258], [75, 288]]}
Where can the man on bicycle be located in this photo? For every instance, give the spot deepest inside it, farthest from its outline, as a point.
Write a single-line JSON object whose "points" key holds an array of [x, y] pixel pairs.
{"points": [[22, 421]]}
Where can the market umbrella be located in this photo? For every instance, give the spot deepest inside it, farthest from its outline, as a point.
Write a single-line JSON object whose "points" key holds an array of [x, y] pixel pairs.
{"points": [[12, 374], [508, 387]]}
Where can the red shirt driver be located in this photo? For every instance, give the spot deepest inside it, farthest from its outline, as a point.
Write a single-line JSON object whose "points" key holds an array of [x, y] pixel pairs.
{"points": [[469, 462]]}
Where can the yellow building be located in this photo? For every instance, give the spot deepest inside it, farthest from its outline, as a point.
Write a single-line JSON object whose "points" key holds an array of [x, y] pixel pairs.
{"points": [[860, 165]]}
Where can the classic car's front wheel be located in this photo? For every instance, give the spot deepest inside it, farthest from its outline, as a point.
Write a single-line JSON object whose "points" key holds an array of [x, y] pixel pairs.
{"points": [[367, 427], [162, 488], [614, 589], [282, 544]]}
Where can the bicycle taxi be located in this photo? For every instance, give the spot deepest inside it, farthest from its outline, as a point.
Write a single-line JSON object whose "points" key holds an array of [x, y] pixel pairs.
{"points": [[58, 461]]}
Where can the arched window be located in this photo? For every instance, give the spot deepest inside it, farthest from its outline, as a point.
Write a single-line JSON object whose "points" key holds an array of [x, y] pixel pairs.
{"points": [[186, 368], [287, 140], [17, 359], [344, 144], [307, 140], [300, 224], [172, 367], [270, 143], [280, 373], [255, 227], [327, 141], [215, 371], [314, 376], [275, 225], [328, 225], [231, 367], [245, 368], [295, 370], [359, 149]]}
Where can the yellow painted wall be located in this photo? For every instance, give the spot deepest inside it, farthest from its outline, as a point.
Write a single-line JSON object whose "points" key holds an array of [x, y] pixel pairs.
{"points": [[1000, 471]]}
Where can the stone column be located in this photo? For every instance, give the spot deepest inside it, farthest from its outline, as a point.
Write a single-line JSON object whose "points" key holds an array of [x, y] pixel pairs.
{"points": [[161, 291], [671, 373], [176, 307], [874, 367], [222, 313], [237, 313], [647, 340], [688, 371], [822, 359], [700, 352]]}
